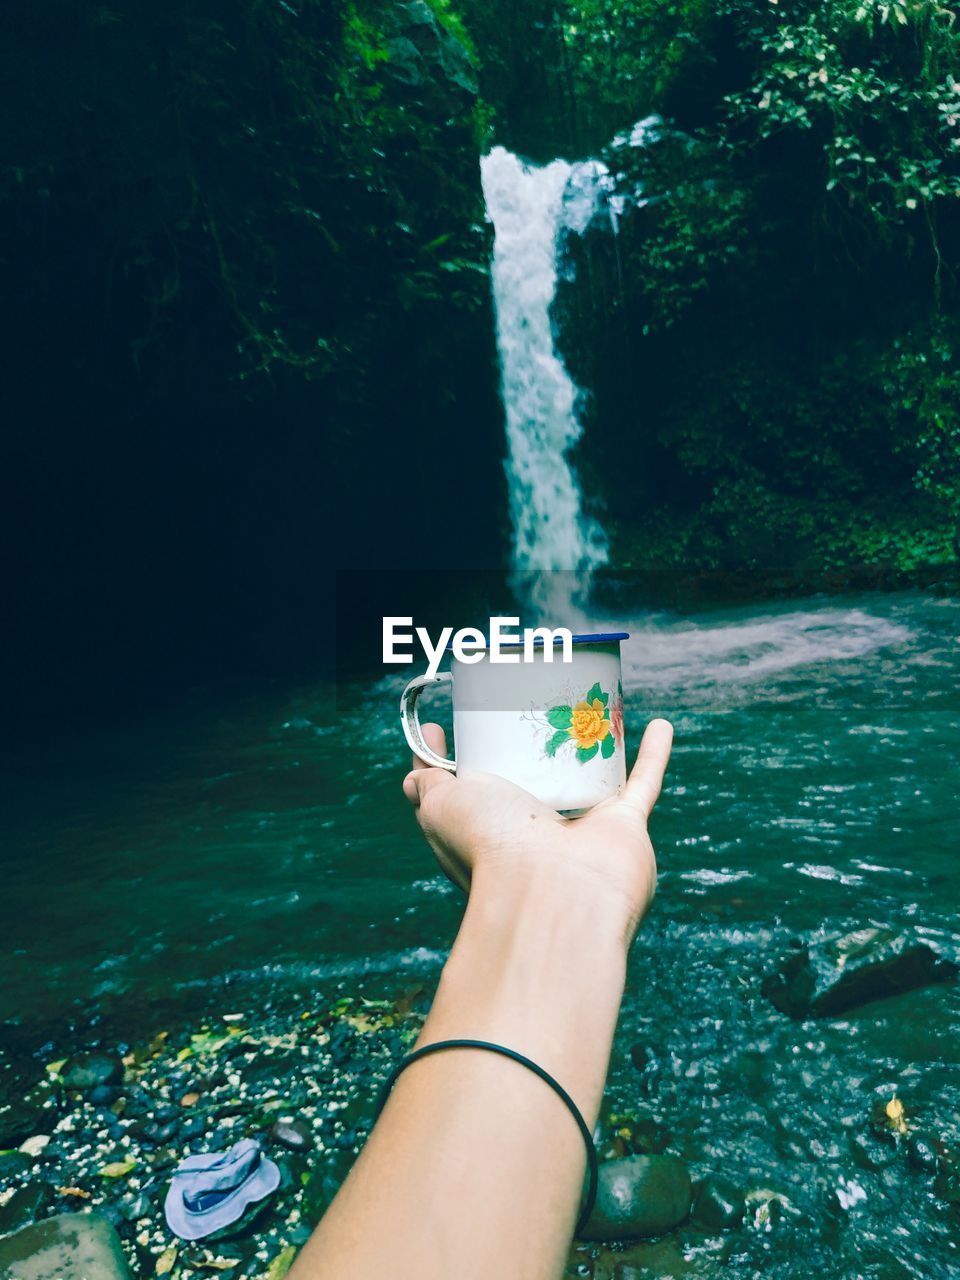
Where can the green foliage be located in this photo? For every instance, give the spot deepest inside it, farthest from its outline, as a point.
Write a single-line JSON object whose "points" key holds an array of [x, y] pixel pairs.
{"points": [[284, 151], [919, 380], [783, 324]]}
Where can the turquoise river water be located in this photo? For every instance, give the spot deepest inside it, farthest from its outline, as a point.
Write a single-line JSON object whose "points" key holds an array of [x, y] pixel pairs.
{"points": [[264, 841]]}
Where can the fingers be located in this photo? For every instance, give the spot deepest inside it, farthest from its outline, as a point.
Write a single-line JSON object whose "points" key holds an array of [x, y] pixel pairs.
{"points": [[646, 776], [436, 740], [424, 777]]}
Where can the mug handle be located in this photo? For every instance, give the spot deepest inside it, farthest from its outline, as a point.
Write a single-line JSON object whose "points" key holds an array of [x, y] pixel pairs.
{"points": [[411, 721]]}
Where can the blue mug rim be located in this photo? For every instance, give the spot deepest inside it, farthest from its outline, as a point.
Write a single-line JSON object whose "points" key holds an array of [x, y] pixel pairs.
{"points": [[598, 637]]}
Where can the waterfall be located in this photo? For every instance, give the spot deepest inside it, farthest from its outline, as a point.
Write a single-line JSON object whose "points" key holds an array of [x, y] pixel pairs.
{"points": [[531, 207]]}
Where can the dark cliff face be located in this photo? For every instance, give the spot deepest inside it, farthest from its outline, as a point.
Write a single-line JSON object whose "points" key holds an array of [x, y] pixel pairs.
{"points": [[247, 264]]}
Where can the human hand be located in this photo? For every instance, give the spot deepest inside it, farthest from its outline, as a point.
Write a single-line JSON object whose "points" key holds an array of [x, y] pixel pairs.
{"points": [[486, 827]]}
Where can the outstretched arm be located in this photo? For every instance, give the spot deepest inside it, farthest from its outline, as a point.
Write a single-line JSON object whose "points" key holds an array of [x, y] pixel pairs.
{"points": [[475, 1168]]}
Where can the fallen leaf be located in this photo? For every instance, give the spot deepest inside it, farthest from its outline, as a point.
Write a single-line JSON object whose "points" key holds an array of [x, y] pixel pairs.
{"points": [[282, 1263], [189, 1099], [157, 1043], [118, 1168], [74, 1191], [165, 1262], [54, 1068], [895, 1114]]}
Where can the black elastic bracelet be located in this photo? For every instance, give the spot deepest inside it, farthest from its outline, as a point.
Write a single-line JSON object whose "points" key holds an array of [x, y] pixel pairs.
{"points": [[437, 1046]]}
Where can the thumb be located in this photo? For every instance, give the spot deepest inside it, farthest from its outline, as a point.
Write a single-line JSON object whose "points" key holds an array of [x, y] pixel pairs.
{"points": [[419, 783], [646, 777]]}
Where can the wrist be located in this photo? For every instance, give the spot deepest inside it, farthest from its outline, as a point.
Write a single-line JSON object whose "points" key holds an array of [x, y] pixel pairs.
{"points": [[553, 901], [539, 969]]}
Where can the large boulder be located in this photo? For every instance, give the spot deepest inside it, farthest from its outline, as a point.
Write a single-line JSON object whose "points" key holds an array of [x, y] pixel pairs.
{"points": [[842, 973], [639, 1196], [73, 1246], [423, 52]]}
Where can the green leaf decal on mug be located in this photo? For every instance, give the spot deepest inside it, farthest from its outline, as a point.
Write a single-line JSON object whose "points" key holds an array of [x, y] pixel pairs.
{"points": [[558, 739], [586, 753], [560, 717]]}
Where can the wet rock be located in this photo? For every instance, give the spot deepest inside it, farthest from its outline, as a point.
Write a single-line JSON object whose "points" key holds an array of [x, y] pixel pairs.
{"points": [[14, 1163], [718, 1204], [24, 1206], [842, 973], [17, 1123], [639, 1196], [422, 53], [104, 1095], [870, 1153], [342, 1043], [270, 1068], [34, 1145], [87, 1070], [72, 1246], [946, 1187], [139, 1207], [661, 1260], [293, 1133], [640, 1055], [195, 1128], [923, 1152]]}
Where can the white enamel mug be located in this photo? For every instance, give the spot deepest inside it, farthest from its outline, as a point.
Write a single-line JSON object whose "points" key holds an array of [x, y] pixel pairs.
{"points": [[553, 728]]}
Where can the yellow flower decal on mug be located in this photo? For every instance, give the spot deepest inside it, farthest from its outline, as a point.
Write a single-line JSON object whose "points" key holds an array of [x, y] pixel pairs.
{"points": [[587, 724]]}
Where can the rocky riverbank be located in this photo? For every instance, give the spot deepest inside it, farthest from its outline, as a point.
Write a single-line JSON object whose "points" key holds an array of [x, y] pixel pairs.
{"points": [[100, 1132]]}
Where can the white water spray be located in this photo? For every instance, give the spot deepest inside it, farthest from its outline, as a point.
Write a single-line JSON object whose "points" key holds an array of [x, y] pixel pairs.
{"points": [[530, 207]]}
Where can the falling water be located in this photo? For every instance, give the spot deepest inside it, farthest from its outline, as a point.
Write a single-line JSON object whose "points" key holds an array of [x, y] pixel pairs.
{"points": [[530, 208]]}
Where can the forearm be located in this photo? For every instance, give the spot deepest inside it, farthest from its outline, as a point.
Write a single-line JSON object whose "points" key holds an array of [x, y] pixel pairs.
{"points": [[476, 1166]]}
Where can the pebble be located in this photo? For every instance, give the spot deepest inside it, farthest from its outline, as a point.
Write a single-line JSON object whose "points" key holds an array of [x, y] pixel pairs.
{"points": [[87, 1070], [33, 1146], [640, 1055], [292, 1133], [639, 1196], [104, 1095]]}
